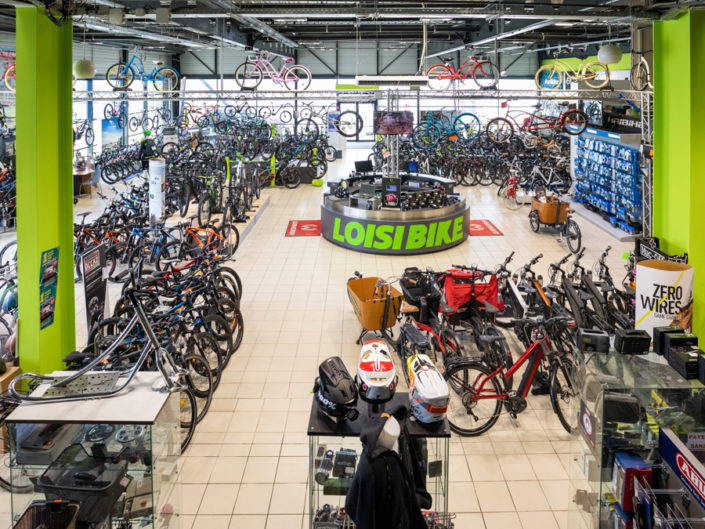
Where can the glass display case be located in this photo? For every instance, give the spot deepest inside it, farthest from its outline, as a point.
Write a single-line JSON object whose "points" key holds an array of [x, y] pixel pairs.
{"points": [[624, 404], [117, 457], [335, 449]]}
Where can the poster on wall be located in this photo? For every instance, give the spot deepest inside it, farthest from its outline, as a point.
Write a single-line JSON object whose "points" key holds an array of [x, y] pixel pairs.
{"points": [[664, 295], [7, 67], [48, 274], [112, 134], [94, 285]]}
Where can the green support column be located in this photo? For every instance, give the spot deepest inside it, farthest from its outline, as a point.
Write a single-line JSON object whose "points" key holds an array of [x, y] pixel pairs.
{"points": [[44, 185]]}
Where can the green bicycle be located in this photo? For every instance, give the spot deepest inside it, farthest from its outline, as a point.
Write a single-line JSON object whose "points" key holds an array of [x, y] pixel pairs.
{"points": [[426, 135]]}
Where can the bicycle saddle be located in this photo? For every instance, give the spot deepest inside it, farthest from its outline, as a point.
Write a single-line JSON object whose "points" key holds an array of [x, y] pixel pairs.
{"points": [[158, 63], [489, 338], [446, 309], [288, 59], [447, 59], [83, 214], [564, 103], [415, 335], [489, 308], [407, 308]]}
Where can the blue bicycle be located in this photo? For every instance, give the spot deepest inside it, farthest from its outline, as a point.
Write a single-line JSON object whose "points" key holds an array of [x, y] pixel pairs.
{"points": [[121, 75]]}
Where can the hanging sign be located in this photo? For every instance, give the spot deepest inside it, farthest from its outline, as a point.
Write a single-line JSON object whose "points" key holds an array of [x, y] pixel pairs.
{"points": [[48, 274]]}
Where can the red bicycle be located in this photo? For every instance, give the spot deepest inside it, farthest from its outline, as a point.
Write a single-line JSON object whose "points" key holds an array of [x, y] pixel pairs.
{"points": [[480, 392], [502, 129], [484, 73]]}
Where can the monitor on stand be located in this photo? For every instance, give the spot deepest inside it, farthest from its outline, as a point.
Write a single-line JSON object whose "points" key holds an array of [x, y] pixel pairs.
{"points": [[364, 166]]}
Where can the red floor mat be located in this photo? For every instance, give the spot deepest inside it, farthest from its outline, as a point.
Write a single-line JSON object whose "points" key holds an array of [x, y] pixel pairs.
{"points": [[483, 227], [303, 228]]}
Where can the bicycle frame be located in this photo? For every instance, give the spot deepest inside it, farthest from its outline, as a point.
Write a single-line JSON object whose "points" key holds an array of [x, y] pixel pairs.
{"points": [[141, 72], [270, 70], [572, 73]]}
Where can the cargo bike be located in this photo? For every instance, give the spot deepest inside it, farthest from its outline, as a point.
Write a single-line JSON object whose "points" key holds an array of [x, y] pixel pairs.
{"points": [[552, 211]]}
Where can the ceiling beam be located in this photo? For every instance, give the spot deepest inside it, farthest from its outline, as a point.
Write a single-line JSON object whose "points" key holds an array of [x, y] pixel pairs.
{"points": [[149, 35], [264, 29]]}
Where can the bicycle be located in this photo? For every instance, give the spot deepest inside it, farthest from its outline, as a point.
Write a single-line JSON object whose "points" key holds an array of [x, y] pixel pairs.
{"points": [[10, 76], [640, 74], [119, 111], [483, 391], [121, 75], [250, 73], [84, 129], [558, 214], [501, 129], [347, 123], [484, 73], [427, 135], [551, 76]]}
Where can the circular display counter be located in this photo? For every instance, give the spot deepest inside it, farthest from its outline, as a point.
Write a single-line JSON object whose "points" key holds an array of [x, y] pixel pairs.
{"points": [[391, 231]]}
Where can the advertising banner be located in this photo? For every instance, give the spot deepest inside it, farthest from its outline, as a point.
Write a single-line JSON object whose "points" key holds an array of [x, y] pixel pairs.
{"points": [[48, 274], [399, 237], [94, 285], [664, 295], [111, 134]]}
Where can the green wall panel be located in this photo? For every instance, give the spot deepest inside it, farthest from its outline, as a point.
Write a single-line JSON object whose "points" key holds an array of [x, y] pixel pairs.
{"points": [[44, 185]]}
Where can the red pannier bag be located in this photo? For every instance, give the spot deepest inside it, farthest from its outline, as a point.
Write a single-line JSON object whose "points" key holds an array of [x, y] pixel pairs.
{"points": [[457, 286]]}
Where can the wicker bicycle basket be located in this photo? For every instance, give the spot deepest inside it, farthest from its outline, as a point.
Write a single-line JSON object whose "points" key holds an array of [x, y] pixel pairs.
{"points": [[369, 303], [49, 515], [548, 210]]}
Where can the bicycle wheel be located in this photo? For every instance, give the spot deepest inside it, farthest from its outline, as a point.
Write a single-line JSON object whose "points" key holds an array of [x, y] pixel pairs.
{"points": [[639, 77], [596, 74], [508, 197], [233, 316], [120, 75], [500, 130], [572, 236], [306, 130], [205, 210], [248, 75], [8, 254], [166, 79], [467, 126], [574, 121], [440, 77], [548, 77], [206, 345], [90, 136], [134, 123], [563, 395], [11, 78], [331, 153], [200, 382], [426, 136], [297, 78], [108, 112], [348, 123], [291, 177], [187, 416], [467, 414], [485, 74], [534, 221]]}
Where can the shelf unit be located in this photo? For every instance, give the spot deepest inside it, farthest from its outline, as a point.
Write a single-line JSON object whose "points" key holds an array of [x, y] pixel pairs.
{"points": [[609, 178]]}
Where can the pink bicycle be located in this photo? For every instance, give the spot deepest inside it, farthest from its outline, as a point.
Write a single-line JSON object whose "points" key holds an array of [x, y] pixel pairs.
{"points": [[249, 74]]}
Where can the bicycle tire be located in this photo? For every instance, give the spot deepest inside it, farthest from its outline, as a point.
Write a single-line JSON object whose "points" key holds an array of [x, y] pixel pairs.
{"points": [[108, 111], [574, 121], [306, 130], [573, 236], [169, 79], [248, 79], [594, 68], [499, 130], [205, 210], [207, 346], [426, 136], [534, 221], [350, 125], [297, 77], [90, 136], [639, 77], [233, 278], [8, 253], [10, 78], [440, 77], [462, 376], [467, 126], [486, 75], [188, 411], [561, 389], [122, 77]]}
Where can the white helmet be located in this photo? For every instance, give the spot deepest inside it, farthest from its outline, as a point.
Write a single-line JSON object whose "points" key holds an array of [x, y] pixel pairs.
{"points": [[428, 390], [376, 375]]}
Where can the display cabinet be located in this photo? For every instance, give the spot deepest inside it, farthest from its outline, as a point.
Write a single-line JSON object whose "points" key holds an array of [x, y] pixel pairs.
{"points": [[340, 444], [117, 457], [624, 404]]}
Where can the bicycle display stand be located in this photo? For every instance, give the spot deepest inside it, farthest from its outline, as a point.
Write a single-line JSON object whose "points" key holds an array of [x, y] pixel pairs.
{"points": [[343, 437]]}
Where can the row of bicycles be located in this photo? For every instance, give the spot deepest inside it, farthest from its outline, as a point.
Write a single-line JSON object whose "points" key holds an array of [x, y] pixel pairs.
{"points": [[463, 318]]}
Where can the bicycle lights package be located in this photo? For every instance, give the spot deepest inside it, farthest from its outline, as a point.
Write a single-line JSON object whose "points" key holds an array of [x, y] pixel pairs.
{"points": [[376, 375], [324, 468], [428, 390], [593, 341], [334, 391], [660, 336], [632, 341], [626, 468]]}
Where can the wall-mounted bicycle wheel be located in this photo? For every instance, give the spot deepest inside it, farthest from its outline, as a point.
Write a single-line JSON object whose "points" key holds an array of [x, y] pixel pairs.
{"points": [[120, 75], [639, 77], [306, 130], [166, 80], [467, 126], [10, 78], [440, 77], [597, 74], [90, 136], [485, 74], [108, 112], [297, 78], [348, 123], [574, 121], [548, 77], [500, 130], [248, 76], [426, 135], [264, 112]]}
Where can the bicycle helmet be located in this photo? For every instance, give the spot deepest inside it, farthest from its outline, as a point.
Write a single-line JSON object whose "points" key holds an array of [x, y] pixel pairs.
{"points": [[334, 391], [376, 375], [428, 390]]}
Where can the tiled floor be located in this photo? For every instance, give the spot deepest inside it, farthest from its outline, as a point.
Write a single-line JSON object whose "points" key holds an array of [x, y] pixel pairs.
{"points": [[247, 465]]}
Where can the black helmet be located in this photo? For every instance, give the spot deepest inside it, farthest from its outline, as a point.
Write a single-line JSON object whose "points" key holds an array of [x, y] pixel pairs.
{"points": [[335, 391]]}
